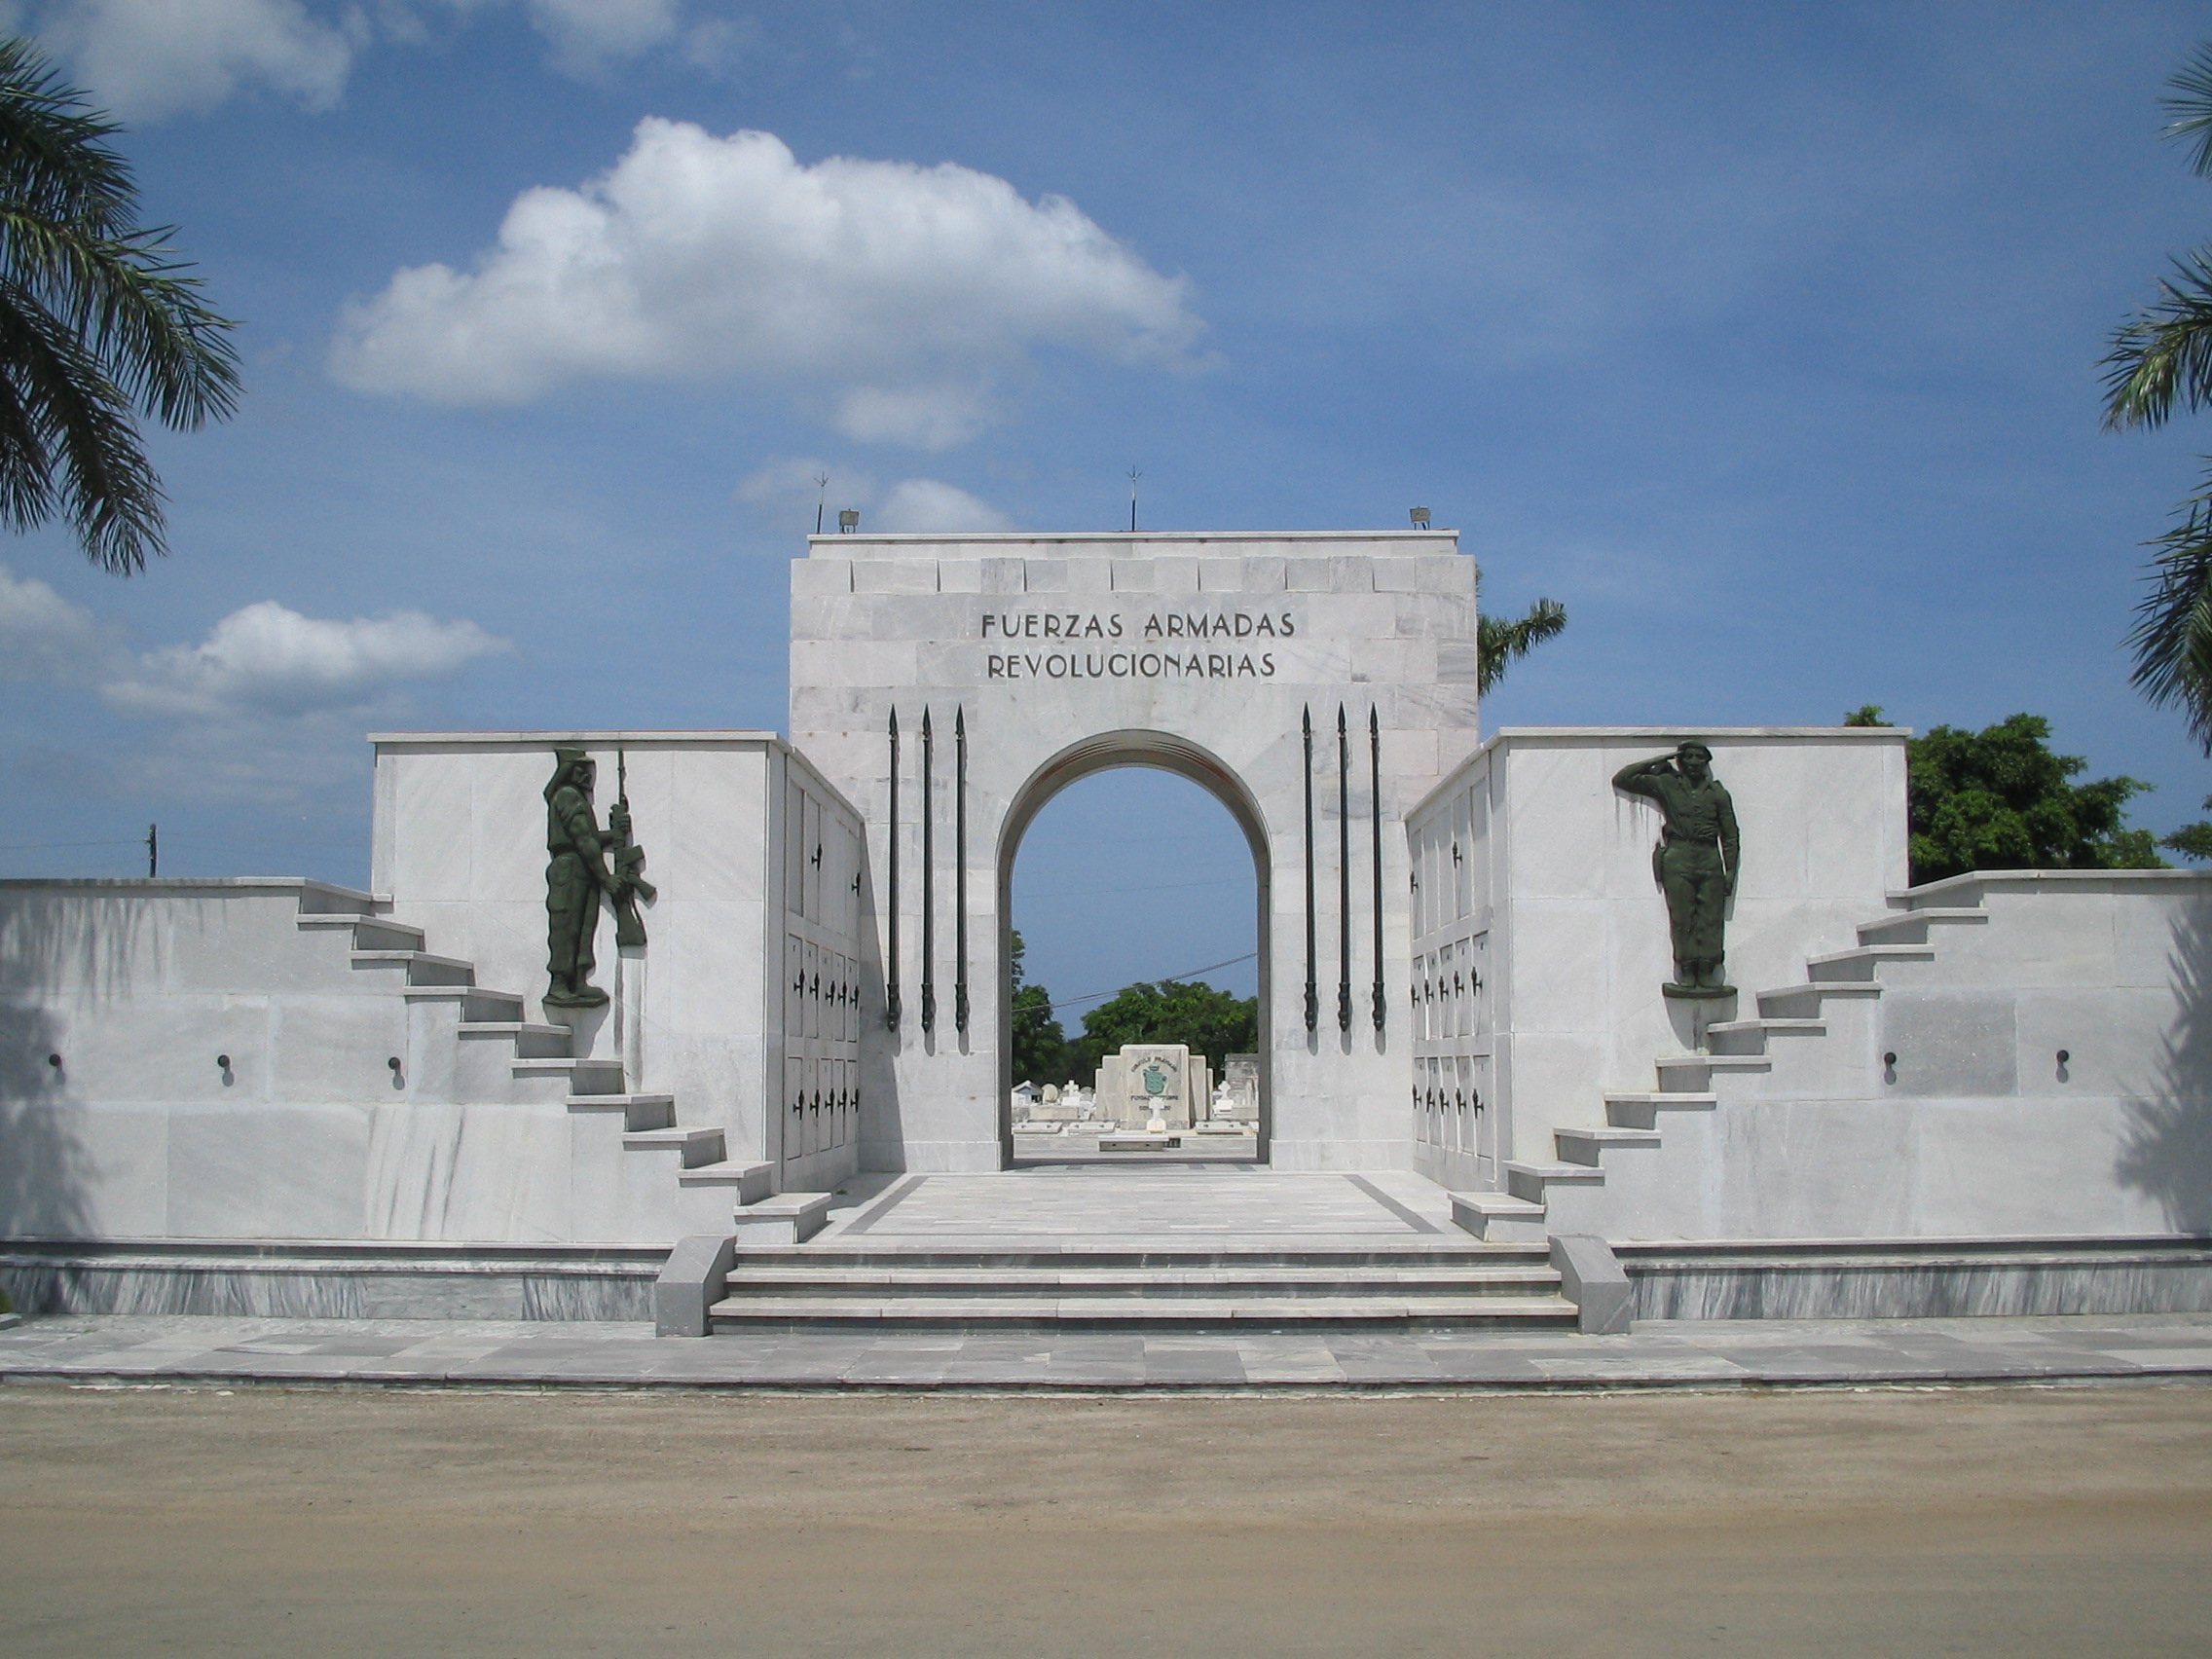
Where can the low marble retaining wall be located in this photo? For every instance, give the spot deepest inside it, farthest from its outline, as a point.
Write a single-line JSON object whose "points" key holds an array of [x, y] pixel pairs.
{"points": [[329, 1281], [1919, 1279]]}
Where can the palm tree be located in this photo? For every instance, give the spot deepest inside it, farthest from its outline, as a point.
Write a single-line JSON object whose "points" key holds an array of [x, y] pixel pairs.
{"points": [[1499, 643], [96, 326], [2162, 356]]}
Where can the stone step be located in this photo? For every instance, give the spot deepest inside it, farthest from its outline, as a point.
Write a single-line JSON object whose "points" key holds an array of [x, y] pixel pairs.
{"points": [[1640, 1110], [784, 1218], [1752, 1035], [750, 1182], [531, 1040], [1911, 926], [1070, 1254], [1499, 1217], [585, 1075], [692, 1147], [1697, 1070], [369, 933], [1806, 1002], [1255, 1314], [477, 1005], [1528, 1180], [421, 967], [752, 1278], [1865, 962], [1588, 1146], [640, 1112]]}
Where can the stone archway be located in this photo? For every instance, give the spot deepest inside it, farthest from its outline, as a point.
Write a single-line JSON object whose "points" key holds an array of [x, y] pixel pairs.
{"points": [[1319, 682], [1163, 751]]}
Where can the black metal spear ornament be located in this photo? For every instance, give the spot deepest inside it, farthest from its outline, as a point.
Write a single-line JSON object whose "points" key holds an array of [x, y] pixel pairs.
{"points": [[1312, 990], [1374, 819], [929, 877], [1344, 872], [960, 870], [890, 962]]}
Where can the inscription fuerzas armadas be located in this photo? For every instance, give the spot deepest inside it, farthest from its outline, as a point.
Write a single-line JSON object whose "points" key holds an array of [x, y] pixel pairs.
{"points": [[1154, 630]]}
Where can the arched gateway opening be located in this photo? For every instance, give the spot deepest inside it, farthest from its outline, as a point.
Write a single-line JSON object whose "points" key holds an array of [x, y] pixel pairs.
{"points": [[1160, 751]]}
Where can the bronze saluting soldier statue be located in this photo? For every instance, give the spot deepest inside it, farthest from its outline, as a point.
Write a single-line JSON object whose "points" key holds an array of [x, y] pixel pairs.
{"points": [[1694, 861]]}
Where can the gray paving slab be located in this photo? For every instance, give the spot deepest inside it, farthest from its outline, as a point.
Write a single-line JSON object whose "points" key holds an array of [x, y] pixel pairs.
{"points": [[152, 1349]]}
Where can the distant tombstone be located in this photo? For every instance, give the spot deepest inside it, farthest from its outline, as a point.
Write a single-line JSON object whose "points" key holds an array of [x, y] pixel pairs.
{"points": [[1241, 1077], [1155, 1084]]}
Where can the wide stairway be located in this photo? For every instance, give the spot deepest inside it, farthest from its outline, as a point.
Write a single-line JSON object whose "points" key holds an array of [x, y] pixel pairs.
{"points": [[1144, 1249]]}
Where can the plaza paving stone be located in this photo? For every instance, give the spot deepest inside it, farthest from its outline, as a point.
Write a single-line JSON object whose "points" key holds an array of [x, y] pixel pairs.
{"points": [[182, 1348]]}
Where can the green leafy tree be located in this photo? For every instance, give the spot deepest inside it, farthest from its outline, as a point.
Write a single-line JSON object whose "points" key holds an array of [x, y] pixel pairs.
{"points": [[2192, 840], [1499, 644], [1999, 798], [96, 326], [1205, 1021], [1042, 1051], [2162, 358]]}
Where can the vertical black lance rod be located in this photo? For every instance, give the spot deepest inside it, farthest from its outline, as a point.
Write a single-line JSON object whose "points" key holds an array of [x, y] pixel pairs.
{"points": [[960, 869], [929, 877], [1375, 820], [1312, 991], [890, 962], [1344, 872]]}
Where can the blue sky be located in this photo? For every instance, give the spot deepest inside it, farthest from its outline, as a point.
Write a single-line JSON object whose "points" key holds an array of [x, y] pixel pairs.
{"points": [[1762, 335]]}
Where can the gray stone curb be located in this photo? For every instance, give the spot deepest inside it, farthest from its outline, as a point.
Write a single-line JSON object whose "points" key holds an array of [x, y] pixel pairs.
{"points": [[123, 1350]]}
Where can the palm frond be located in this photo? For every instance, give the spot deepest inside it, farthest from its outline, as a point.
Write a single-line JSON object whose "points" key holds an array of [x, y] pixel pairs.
{"points": [[2172, 636], [85, 449], [98, 323], [2162, 355], [1498, 643], [2191, 105]]}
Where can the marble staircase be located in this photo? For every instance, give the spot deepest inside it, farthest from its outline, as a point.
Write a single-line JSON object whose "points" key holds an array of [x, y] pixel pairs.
{"points": [[1109, 1286], [1816, 1031], [471, 1043]]}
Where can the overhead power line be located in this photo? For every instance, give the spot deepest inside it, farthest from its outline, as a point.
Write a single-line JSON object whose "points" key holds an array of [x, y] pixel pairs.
{"points": [[1165, 979]]}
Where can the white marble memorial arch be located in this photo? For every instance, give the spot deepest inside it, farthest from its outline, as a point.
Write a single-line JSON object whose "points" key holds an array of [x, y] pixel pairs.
{"points": [[1058, 655], [1163, 753]]}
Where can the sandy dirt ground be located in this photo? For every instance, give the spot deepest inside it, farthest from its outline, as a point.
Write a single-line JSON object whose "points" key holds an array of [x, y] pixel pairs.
{"points": [[2020, 1522]]}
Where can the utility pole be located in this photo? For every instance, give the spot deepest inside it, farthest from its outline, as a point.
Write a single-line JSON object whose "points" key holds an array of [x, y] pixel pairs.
{"points": [[821, 500], [153, 850], [1134, 475]]}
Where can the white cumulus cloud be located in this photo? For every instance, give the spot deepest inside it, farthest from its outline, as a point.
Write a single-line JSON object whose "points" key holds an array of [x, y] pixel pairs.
{"points": [[147, 59], [905, 295], [268, 660], [924, 504], [586, 34], [787, 491], [44, 636]]}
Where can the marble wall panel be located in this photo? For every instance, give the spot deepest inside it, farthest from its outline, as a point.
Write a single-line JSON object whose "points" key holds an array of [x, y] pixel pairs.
{"points": [[2118, 1041], [273, 1172], [73, 1170], [894, 575], [479, 1173], [2162, 938], [1952, 1042], [337, 1049], [816, 576]]}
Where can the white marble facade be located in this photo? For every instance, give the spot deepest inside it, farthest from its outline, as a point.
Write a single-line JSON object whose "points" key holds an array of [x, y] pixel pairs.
{"points": [[1541, 936], [756, 865], [377, 1088], [1200, 653]]}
